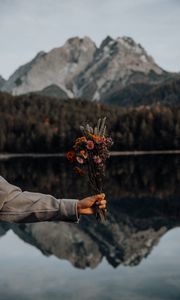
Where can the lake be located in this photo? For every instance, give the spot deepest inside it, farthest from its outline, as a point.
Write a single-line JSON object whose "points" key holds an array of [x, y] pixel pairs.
{"points": [[135, 255]]}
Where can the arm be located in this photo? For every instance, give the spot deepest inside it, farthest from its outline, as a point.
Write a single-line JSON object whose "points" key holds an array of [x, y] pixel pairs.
{"points": [[27, 207]]}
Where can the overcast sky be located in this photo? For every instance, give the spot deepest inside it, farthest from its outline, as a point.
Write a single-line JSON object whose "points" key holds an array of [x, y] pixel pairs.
{"points": [[29, 26]]}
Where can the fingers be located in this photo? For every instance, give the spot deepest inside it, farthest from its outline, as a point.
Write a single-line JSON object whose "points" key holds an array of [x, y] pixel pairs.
{"points": [[102, 195], [86, 205], [100, 200], [101, 204], [99, 197]]}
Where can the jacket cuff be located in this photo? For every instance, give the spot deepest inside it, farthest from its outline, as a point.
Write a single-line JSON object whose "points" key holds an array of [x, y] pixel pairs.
{"points": [[68, 210]]}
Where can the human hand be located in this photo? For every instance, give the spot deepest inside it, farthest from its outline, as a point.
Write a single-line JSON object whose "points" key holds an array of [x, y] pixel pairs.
{"points": [[86, 205]]}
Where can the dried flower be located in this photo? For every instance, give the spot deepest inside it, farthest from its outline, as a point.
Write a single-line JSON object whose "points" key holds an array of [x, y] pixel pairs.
{"points": [[91, 151], [97, 159]]}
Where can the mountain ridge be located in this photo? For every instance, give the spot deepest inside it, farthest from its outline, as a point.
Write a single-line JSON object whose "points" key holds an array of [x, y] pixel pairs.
{"points": [[80, 69]]}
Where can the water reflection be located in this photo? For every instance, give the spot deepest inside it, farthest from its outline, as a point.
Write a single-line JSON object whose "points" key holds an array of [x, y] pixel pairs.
{"points": [[144, 204]]}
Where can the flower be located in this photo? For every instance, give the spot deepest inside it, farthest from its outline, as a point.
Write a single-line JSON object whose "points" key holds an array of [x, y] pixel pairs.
{"points": [[90, 145], [97, 159], [80, 140], [91, 150], [79, 159], [84, 154], [96, 138], [103, 140], [71, 155], [109, 141]]}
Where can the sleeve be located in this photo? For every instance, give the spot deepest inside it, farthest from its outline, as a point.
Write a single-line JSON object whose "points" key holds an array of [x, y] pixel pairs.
{"points": [[19, 206]]}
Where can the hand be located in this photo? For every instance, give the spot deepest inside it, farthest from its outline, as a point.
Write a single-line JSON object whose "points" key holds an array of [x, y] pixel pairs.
{"points": [[85, 206]]}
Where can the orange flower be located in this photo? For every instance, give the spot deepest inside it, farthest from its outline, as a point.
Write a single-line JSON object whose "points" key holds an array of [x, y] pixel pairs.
{"points": [[71, 155], [96, 138], [83, 153], [80, 140]]}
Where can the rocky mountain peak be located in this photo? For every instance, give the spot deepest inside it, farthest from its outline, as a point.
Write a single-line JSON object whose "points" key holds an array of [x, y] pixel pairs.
{"points": [[128, 42], [117, 63], [106, 42], [76, 41], [128, 45], [81, 69]]}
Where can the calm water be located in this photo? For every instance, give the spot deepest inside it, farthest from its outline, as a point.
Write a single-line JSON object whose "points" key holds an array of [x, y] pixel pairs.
{"points": [[136, 255]]}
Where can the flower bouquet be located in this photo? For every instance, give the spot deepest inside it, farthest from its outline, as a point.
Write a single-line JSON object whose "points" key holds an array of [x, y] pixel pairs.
{"points": [[89, 154]]}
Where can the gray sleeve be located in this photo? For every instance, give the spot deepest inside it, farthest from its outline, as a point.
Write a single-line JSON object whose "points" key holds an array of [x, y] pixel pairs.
{"points": [[26, 207]]}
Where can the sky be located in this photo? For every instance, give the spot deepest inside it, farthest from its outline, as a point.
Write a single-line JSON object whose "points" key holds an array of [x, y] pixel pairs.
{"points": [[27, 27]]}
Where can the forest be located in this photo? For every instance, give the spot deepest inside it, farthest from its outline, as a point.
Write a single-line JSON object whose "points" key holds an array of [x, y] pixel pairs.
{"points": [[36, 123]]}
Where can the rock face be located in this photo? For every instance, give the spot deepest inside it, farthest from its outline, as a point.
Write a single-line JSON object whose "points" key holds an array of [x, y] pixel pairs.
{"points": [[117, 63], [81, 69], [58, 67]]}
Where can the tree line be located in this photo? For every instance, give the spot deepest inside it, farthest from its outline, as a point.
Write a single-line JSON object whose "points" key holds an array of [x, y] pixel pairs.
{"points": [[34, 123]]}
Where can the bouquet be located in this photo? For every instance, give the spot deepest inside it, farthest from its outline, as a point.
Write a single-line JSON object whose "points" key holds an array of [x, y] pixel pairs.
{"points": [[89, 154]]}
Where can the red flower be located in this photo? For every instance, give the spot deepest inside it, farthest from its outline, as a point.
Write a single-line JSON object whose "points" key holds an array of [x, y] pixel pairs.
{"points": [[71, 155], [90, 145]]}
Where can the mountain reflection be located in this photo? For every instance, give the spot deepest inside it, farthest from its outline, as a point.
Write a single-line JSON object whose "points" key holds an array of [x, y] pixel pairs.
{"points": [[143, 194]]}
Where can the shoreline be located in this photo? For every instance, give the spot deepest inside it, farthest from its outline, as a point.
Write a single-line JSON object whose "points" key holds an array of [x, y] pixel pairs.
{"points": [[112, 153]]}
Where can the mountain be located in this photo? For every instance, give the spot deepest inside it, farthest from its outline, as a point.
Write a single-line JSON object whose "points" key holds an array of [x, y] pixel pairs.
{"points": [[166, 92], [117, 63], [58, 67], [80, 69], [128, 237], [2, 81], [142, 208]]}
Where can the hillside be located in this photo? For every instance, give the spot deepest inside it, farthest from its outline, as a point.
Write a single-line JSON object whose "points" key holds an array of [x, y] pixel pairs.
{"points": [[167, 92]]}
